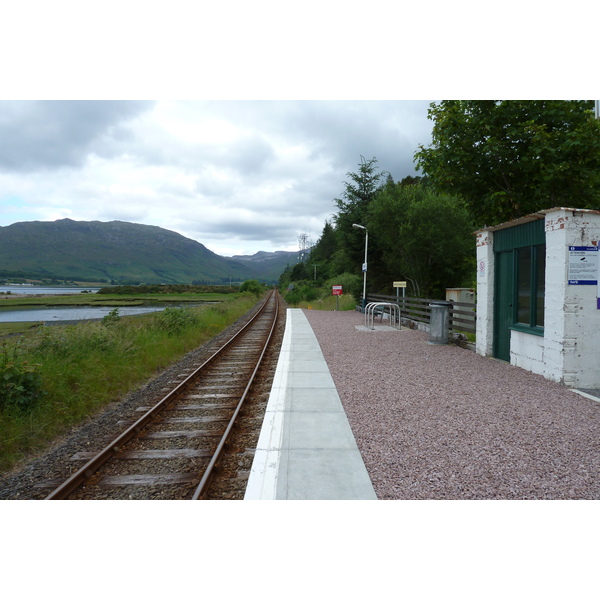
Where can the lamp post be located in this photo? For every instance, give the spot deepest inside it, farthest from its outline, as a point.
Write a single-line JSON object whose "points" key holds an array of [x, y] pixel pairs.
{"points": [[364, 267]]}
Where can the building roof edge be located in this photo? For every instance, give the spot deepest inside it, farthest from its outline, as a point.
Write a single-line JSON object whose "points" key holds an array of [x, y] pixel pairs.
{"points": [[534, 217]]}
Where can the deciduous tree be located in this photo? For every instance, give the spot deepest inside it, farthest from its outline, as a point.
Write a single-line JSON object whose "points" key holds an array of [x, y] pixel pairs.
{"points": [[425, 238], [508, 158]]}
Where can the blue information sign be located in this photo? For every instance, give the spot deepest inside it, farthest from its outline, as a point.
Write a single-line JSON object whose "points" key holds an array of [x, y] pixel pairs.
{"points": [[583, 265]]}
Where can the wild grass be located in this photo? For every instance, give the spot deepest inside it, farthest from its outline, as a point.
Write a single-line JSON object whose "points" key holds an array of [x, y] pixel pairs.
{"points": [[344, 302], [110, 299], [80, 369], [7, 329]]}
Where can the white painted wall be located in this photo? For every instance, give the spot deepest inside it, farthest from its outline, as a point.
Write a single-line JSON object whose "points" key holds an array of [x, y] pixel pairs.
{"points": [[557, 238], [527, 351], [572, 330]]}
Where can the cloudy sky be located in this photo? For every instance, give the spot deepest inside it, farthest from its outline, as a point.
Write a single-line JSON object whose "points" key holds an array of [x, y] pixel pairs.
{"points": [[238, 176], [263, 109]]}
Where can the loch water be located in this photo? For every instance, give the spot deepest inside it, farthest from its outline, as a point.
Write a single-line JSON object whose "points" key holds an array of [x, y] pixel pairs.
{"points": [[46, 290], [60, 314], [56, 314]]}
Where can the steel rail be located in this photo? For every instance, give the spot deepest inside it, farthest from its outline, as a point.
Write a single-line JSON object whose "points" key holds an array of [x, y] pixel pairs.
{"points": [[89, 469], [209, 472]]}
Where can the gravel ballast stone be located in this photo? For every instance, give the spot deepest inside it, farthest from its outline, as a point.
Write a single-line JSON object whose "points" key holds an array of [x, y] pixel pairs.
{"points": [[441, 422]]}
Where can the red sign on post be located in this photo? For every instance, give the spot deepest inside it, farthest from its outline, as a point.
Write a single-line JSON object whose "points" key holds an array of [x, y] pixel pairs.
{"points": [[337, 290]]}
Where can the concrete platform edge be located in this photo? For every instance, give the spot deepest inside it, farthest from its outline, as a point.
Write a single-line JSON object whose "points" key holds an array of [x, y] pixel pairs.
{"points": [[262, 482], [306, 449]]}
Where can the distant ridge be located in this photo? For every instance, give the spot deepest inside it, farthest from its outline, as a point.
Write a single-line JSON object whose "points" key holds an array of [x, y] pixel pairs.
{"points": [[267, 256], [122, 252]]}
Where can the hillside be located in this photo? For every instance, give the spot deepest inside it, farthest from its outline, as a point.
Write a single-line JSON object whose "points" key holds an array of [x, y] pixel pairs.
{"points": [[120, 252], [270, 264]]}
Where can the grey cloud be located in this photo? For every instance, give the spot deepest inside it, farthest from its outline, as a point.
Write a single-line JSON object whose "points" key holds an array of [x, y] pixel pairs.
{"points": [[339, 132], [336, 133], [388, 130], [250, 154], [213, 188], [38, 135], [257, 228]]}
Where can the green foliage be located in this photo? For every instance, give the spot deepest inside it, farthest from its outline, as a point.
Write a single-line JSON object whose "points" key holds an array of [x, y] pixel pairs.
{"points": [[299, 272], [20, 381], [175, 320], [111, 317], [285, 278], [253, 286], [353, 208], [303, 291], [360, 190], [352, 285], [130, 290], [319, 261], [415, 234], [425, 238], [76, 340], [311, 292], [509, 158], [120, 252], [327, 244]]}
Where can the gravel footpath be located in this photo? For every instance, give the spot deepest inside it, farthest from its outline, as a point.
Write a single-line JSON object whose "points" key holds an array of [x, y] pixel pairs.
{"points": [[441, 422]]}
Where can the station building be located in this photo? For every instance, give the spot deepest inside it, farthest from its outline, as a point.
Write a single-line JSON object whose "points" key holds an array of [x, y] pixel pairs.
{"points": [[538, 300]]}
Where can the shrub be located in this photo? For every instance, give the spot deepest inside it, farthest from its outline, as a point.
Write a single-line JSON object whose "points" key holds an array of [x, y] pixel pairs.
{"points": [[20, 381], [175, 320], [303, 291], [351, 284], [251, 285], [112, 317], [75, 340], [293, 297]]}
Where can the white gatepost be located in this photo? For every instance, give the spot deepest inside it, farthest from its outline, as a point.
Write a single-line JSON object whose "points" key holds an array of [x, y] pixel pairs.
{"points": [[485, 293], [572, 316]]}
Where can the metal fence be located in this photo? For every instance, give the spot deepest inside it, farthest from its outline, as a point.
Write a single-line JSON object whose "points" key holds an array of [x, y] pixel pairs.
{"points": [[462, 314]]}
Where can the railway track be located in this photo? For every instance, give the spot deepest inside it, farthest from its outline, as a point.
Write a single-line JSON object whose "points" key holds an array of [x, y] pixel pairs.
{"points": [[180, 442]]}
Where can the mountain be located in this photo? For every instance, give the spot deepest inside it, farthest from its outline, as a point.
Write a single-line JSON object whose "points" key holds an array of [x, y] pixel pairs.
{"points": [[121, 252], [270, 264]]}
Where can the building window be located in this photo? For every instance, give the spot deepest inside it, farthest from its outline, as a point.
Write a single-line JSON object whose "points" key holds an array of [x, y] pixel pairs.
{"points": [[531, 268], [540, 284], [524, 286]]}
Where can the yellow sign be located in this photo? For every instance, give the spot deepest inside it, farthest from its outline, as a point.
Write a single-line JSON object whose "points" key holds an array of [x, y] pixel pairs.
{"points": [[399, 283]]}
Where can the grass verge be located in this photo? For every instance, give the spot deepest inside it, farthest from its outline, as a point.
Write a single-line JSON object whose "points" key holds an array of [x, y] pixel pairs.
{"points": [[61, 375], [7, 329], [345, 302]]}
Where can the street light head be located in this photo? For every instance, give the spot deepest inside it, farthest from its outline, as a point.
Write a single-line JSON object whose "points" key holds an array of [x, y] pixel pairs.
{"points": [[358, 226]]}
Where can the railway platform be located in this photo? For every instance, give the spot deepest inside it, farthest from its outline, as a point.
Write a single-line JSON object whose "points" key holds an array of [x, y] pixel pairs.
{"points": [[306, 449]]}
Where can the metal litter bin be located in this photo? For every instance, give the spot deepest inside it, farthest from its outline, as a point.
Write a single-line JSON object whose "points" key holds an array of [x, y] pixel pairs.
{"points": [[439, 324]]}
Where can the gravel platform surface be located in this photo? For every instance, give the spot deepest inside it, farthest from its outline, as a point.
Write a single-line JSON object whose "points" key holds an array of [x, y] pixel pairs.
{"points": [[441, 422]]}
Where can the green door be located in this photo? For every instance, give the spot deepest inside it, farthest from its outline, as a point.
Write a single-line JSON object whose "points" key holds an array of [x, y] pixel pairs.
{"points": [[504, 296]]}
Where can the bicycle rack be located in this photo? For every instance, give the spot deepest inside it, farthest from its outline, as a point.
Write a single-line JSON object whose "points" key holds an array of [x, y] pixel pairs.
{"points": [[373, 307]]}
